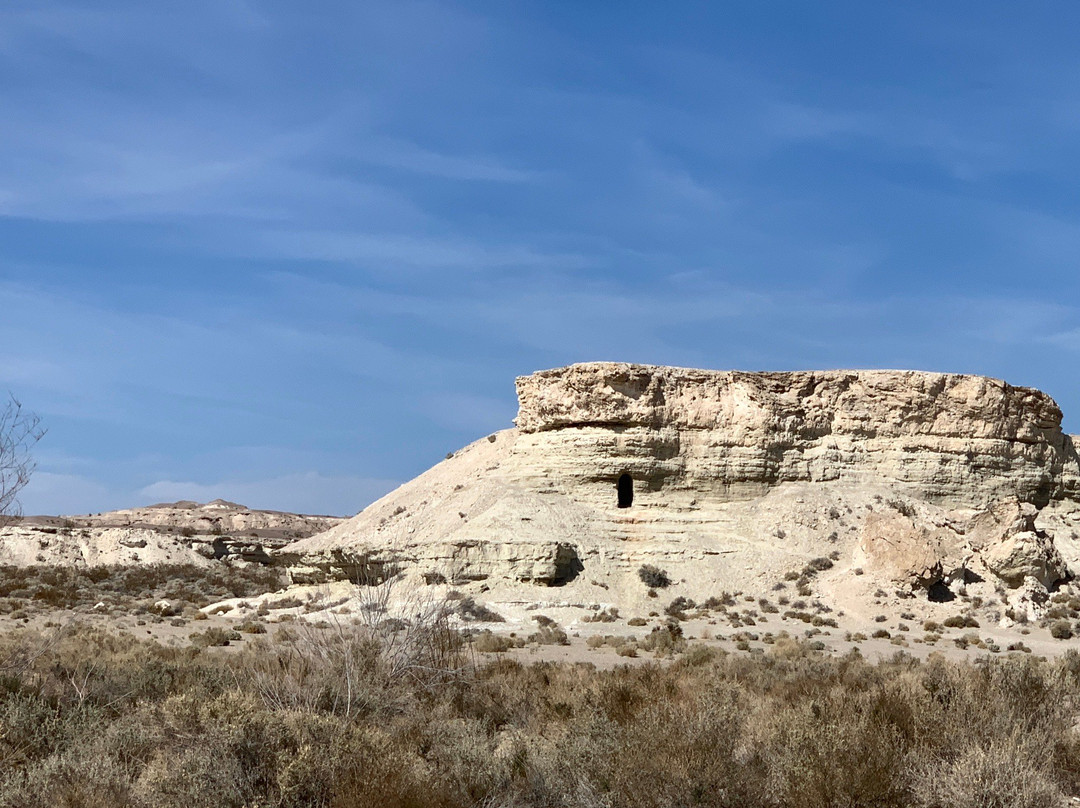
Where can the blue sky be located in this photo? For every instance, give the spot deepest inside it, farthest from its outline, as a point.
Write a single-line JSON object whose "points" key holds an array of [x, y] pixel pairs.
{"points": [[291, 254]]}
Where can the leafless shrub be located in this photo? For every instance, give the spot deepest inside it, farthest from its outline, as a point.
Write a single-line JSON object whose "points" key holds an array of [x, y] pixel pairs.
{"points": [[344, 667], [19, 431], [1006, 771]]}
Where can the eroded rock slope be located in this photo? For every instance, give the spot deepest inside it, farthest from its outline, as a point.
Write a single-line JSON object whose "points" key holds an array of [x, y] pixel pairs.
{"points": [[730, 480]]}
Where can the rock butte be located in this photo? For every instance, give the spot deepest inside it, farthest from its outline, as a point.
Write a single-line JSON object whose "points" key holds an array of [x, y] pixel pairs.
{"points": [[729, 479]]}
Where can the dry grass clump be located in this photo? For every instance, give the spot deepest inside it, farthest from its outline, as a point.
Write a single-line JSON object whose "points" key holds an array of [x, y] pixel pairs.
{"points": [[549, 633], [488, 642], [353, 716], [624, 645]]}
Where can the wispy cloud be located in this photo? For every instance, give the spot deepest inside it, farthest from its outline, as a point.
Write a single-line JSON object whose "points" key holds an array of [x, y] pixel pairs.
{"points": [[239, 240], [309, 492], [378, 251]]}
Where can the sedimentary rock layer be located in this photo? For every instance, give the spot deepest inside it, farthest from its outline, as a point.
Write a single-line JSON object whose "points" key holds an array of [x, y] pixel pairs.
{"points": [[727, 475], [950, 438]]}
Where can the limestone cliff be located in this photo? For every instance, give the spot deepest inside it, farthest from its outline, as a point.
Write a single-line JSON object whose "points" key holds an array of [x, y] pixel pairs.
{"points": [[727, 480], [952, 439]]}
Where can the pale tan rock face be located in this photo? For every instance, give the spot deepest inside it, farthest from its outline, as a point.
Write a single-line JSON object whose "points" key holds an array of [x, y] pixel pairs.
{"points": [[1012, 548], [949, 438], [738, 479], [920, 545], [169, 533], [907, 550]]}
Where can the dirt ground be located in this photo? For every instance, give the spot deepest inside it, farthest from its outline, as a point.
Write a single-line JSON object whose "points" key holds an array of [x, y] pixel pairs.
{"points": [[585, 641]]}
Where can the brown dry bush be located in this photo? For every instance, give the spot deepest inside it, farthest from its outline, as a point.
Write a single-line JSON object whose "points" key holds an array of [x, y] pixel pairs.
{"points": [[130, 586], [348, 716]]}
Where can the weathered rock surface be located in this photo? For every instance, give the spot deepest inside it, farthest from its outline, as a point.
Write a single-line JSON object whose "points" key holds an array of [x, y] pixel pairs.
{"points": [[949, 438], [1012, 548], [170, 533], [908, 550], [217, 517], [737, 478], [920, 546]]}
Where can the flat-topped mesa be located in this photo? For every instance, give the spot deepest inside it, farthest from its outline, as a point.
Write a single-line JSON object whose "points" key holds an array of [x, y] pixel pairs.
{"points": [[950, 438]]}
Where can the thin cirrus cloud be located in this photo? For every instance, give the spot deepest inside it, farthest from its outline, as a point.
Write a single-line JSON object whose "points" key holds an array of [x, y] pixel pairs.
{"points": [[338, 237]]}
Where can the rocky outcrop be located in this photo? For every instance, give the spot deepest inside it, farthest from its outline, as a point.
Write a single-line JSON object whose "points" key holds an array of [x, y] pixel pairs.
{"points": [[1012, 548], [922, 546], [731, 480], [219, 517], [170, 533], [909, 550], [949, 438]]}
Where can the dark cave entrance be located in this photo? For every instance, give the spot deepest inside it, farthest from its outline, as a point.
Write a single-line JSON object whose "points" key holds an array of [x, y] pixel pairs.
{"points": [[625, 488]]}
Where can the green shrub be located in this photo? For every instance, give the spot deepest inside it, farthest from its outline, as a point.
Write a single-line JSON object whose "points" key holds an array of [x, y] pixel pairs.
{"points": [[1061, 630], [653, 577]]}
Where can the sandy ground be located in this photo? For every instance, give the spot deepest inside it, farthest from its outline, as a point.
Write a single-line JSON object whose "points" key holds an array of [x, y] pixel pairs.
{"points": [[712, 630]]}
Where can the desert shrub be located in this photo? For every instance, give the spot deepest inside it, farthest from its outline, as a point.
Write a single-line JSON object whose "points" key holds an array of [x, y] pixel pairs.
{"points": [[348, 716], [653, 577], [214, 636], [818, 565], [1006, 771], [677, 608], [719, 603], [550, 632], [960, 621], [1061, 630], [609, 615], [1057, 612], [471, 611], [487, 642], [664, 640], [289, 602], [128, 586]]}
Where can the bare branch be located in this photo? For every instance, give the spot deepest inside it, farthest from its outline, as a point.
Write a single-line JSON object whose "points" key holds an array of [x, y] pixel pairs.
{"points": [[19, 431]]}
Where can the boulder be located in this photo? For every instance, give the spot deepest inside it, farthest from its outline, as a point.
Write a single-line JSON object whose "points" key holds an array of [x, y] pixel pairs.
{"points": [[1010, 546], [908, 553]]}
